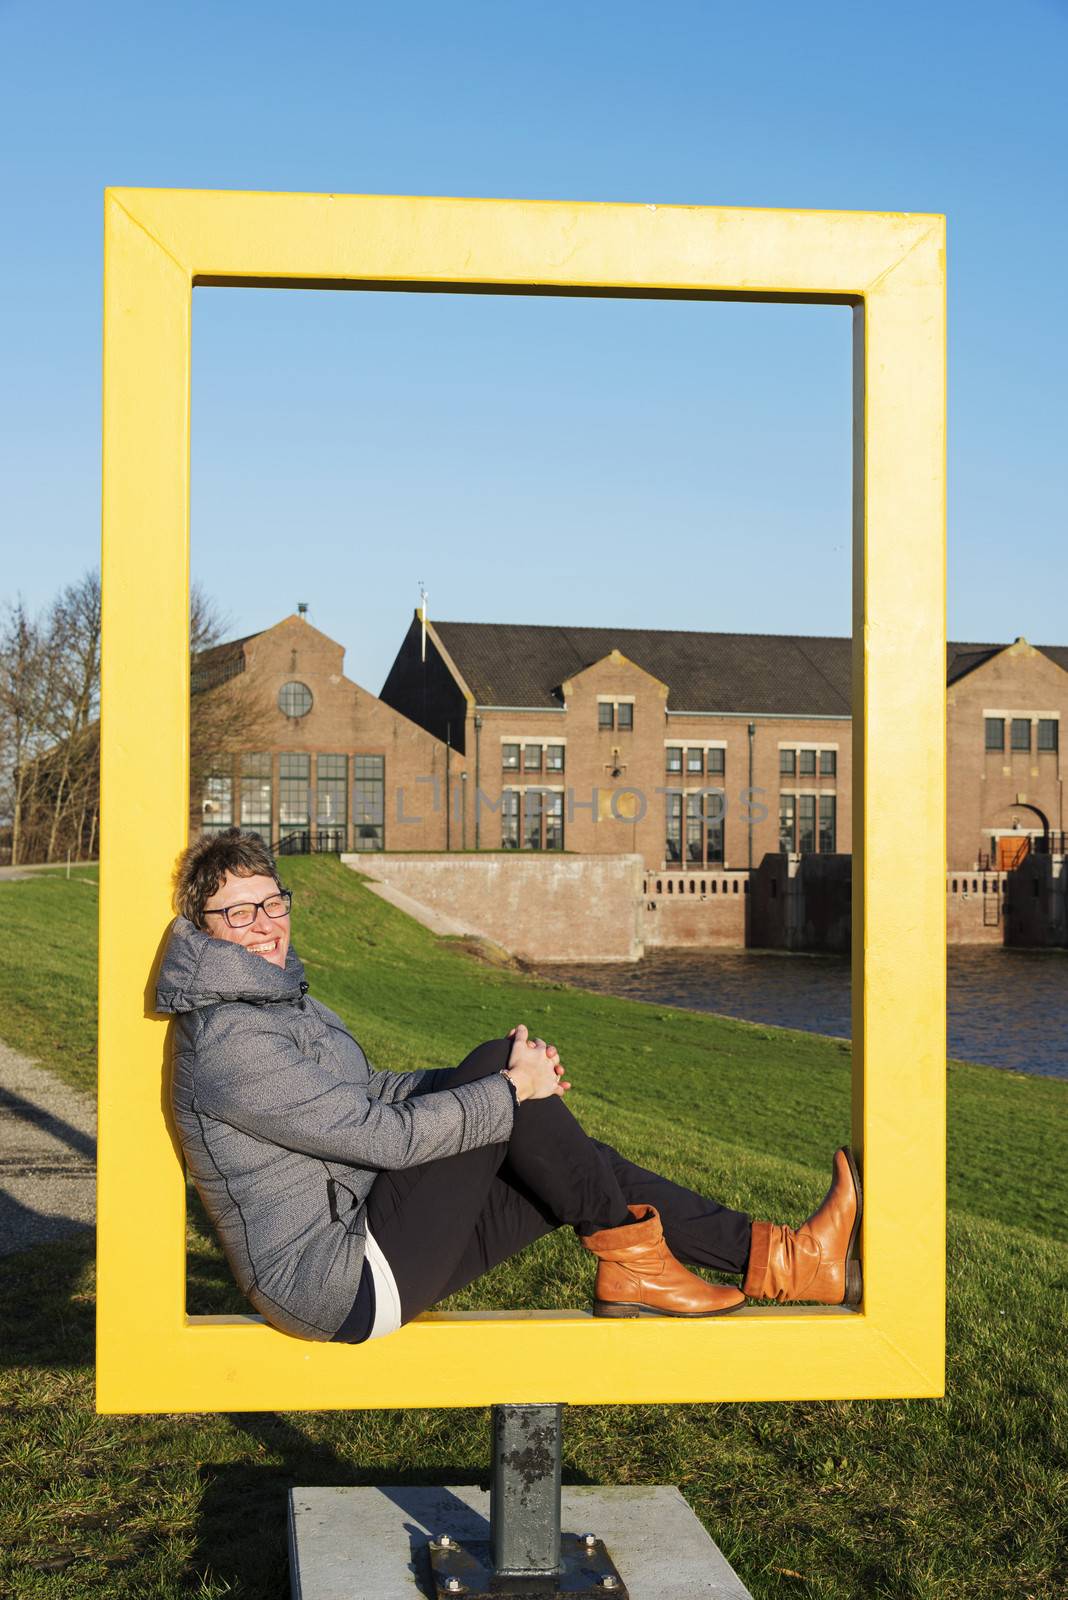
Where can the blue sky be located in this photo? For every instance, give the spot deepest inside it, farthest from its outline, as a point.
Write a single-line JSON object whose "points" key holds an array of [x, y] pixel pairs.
{"points": [[540, 460]]}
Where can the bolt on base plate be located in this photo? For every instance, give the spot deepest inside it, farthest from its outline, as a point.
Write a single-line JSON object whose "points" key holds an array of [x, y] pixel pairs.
{"points": [[466, 1572]]}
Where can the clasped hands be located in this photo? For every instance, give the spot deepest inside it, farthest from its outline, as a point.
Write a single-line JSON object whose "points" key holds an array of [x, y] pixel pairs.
{"points": [[535, 1067]]}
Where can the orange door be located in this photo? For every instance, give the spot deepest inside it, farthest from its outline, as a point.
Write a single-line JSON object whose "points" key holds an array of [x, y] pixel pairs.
{"points": [[1012, 850]]}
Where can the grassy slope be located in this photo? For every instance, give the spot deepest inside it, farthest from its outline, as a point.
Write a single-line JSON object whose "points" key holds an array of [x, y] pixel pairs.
{"points": [[930, 1499]]}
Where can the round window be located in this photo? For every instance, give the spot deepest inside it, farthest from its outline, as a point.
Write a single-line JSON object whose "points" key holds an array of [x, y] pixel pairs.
{"points": [[295, 699]]}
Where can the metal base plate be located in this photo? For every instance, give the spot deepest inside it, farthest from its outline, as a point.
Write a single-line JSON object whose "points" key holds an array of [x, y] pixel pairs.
{"points": [[465, 1572], [371, 1544]]}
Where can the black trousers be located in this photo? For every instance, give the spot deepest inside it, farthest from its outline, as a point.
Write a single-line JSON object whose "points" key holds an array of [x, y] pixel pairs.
{"points": [[445, 1223]]}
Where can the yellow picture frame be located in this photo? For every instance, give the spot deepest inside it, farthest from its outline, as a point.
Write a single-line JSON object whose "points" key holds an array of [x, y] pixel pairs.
{"points": [[890, 268]]}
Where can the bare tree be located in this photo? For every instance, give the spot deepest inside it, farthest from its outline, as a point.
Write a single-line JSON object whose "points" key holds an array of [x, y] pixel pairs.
{"points": [[28, 689], [228, 712], [73, 641], [49, 716]]}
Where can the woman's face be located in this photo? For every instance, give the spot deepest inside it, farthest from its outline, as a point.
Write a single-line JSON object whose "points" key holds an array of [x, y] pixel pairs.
{"points": [[265, 936]]}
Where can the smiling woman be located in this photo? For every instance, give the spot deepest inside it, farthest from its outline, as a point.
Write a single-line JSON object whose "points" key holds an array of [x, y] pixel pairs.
{"points": [[238, 889], [350, 1200]]}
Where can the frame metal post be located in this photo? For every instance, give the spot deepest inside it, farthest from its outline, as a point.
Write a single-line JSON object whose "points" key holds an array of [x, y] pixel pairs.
{"points": [[525, 1494]]}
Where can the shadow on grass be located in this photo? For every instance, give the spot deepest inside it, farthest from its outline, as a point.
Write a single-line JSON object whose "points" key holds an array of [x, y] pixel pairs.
{"points": [[47, 1318]]}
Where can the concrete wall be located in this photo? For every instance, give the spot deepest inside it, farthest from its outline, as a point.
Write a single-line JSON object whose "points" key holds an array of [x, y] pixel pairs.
{"points": [[801, 903], [975, 907], [1037, 902], [696, 910], [542, 907]]}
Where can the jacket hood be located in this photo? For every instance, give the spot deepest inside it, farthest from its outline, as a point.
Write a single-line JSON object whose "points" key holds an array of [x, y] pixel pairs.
{"points": [[199, 970]]}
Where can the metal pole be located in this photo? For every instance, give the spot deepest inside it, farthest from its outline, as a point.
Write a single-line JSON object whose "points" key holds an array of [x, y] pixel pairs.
{"points": [[448, 786], [478, 779], [525, 1492], [526, 1556], [752, 735]]}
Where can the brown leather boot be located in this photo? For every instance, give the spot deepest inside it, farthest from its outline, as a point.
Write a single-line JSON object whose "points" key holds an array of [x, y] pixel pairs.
{"points": [[637, 1276], [818, 1261]]}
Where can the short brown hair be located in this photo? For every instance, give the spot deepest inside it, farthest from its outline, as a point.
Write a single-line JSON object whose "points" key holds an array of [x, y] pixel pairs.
{"points": [[203, 866]]}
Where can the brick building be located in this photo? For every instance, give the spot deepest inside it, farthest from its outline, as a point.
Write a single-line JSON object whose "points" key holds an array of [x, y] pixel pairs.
{"points": [[696, 753], [1006, 779], [326, 751], [711, 750], [687, 748]]}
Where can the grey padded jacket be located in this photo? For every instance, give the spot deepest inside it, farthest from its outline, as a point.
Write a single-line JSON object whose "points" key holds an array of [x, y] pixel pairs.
{"points": [[285, 1125]]}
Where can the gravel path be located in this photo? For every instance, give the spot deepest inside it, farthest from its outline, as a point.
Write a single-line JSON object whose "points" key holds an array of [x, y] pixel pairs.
{"points": [[47, 1155]]}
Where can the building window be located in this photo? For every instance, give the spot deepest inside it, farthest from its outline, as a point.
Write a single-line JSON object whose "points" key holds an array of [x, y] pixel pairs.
{"points": [[256, 793], [995, 733], [217, 801], [554, 821], [620, 715], [294, 699], [1021, 733], [331, 799], [532, 819], [510, 757], [715, 808], [828, 829], [541, 812], [673, 756], [510, 819], [828, 763], [532, 758], [543, 820], [703, 844], [368, 802], [717, 762], [554, 757], [673, 817], [806, 823], [695, 829], [294, 792], [695, 762], [807, 763], [1047, 733], [788, 763], [787, 823]]}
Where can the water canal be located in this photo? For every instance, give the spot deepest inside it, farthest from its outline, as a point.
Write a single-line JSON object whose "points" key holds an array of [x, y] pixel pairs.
{"points": [[1006, 1008]]}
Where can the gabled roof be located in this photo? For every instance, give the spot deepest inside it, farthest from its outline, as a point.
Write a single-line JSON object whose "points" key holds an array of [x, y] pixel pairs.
{"points": [[524, 664], [964, 658]]}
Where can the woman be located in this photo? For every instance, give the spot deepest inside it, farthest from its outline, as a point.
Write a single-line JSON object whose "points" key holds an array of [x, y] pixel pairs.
{"points": [[349, 1200]]}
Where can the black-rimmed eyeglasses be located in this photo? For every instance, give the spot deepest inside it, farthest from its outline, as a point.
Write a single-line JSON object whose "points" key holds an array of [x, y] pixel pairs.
{"points": [[240, 916]]}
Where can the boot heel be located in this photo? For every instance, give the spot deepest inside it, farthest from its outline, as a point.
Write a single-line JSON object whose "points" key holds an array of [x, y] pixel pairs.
{"points": [[854, 1284], [615, 1308]]}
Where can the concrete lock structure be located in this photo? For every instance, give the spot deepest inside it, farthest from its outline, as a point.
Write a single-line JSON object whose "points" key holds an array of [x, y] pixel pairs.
{"points": [[890, 269]]}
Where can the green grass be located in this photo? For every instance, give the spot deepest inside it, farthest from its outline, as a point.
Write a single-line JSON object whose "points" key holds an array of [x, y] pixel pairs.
{"points": [[930, 1499]]}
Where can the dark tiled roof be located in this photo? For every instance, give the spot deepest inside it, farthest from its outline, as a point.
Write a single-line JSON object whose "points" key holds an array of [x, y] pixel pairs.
{"points": [[1056, 652], [519, 664], [211, 667], [524, 664]]}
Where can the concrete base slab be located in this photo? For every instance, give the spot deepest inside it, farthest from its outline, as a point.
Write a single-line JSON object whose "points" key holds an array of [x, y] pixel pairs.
{"points": [[345, 1544]]}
